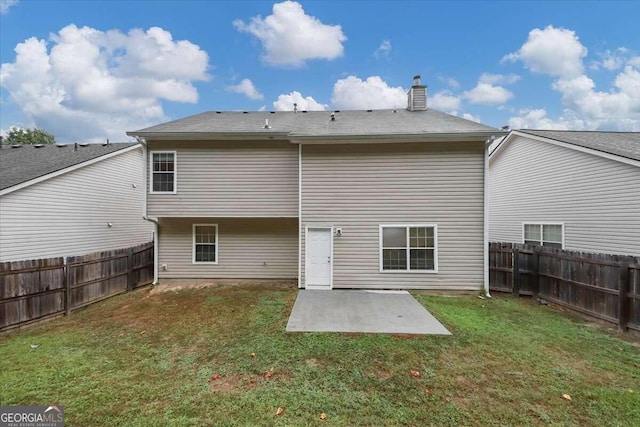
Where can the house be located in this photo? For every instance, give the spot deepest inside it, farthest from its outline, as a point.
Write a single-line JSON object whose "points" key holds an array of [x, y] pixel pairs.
{"points": [[386, 199], [70, 199], [569, 189]]}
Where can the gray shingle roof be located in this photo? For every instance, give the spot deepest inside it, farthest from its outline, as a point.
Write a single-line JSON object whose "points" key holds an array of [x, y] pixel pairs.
{"points": [[18, 165], [624, 144], [319, 123]]}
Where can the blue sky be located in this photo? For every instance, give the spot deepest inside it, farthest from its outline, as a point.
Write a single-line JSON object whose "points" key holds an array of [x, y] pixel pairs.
{"points": [[88, 70]]}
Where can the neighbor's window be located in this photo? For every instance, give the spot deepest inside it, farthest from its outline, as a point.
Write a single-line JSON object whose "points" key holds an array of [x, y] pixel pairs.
{"points": [[408, 248], [205, 243], [163, 172], [543, 234]]}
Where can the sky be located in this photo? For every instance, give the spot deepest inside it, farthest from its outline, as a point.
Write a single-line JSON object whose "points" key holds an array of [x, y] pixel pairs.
{"points": [[90, 70]]}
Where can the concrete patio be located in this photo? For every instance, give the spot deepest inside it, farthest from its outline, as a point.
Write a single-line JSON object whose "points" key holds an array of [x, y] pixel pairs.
{"points": [[387, 312]]}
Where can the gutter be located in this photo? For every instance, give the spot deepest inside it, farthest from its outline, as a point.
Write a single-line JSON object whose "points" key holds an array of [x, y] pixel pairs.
{"points": [[486, 216], [399, 138], [321, 139], [145, 180]]}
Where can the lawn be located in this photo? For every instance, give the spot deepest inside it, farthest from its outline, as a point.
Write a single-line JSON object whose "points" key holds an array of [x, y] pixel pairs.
{"points": [[144, 359]]}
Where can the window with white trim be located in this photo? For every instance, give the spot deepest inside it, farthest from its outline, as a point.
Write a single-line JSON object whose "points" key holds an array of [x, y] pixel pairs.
{"points": [[205, 243], [408, 248], [543, 235], [163, 172]]}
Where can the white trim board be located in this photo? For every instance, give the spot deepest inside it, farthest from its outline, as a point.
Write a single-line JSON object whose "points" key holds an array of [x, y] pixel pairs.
{"points": [[67, 170], [300, 218], [575, 147]]}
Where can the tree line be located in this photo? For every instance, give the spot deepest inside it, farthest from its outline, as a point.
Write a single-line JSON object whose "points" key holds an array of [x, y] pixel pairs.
{"points": [[19, 136]]}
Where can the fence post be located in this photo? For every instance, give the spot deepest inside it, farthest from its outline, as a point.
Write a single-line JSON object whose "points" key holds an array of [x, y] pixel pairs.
{"points": [[515, 276], [130, 271], [67, 287], [535, 270], [623, 291]]}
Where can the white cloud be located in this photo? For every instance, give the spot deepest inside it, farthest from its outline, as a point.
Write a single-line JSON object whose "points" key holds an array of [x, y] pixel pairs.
{"points": [[493, 79], [290, 37], [472, 117], [246, 88], [453, 83], [537, 119], [285, 103], [487, 94], [444, 101], [351, 93], [559, 53], [5, 5], [611, 60], [553, 51], [383, 51], [618, 108], [92, 85]]}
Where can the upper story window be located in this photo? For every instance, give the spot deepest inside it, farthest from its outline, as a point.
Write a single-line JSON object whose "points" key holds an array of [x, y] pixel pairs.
{"points": [[544, 235], [163, 172], [408, 248]]}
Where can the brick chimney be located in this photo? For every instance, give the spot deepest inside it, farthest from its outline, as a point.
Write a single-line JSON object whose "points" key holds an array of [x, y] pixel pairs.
{"points": [[417, 96]]}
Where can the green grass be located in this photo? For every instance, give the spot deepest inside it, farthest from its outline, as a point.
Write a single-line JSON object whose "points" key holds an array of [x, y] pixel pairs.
{"points": [[147, 360]]}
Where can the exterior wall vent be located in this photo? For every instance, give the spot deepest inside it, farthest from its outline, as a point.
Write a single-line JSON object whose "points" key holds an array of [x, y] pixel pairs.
{"points": [[417, 96]]}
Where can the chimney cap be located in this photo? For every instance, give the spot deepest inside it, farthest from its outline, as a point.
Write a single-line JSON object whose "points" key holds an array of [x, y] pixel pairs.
{"points": [[416, 80]]}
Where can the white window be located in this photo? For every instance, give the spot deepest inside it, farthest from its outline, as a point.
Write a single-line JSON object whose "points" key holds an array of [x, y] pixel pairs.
{"points": [[205, 243], [163, 172], [543, 234], [409, 247]]}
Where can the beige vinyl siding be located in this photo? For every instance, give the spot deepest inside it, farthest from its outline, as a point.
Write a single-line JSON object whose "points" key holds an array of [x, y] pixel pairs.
{"points": [[597, 199], [358, 187], [230, 179], [248, 248], [68, 214]]}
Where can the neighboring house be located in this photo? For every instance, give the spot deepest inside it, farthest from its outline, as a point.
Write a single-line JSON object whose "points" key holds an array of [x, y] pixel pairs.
{"points": [[70, 199], [346, 199], [570, 189]]}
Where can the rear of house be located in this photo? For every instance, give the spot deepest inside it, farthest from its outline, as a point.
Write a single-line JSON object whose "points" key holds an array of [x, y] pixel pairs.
{"points": [[388, 199], [568, 189], [226, 210], [70, 199]]}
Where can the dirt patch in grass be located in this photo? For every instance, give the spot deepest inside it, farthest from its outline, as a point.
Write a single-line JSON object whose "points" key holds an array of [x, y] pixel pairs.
{"points": [[174, 285], [230, 383], [405, 336], [384, 374], [312, 363]]}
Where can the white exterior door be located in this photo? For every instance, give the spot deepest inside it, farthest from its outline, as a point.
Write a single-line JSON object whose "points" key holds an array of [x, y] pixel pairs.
{"points": [[319, 258]]}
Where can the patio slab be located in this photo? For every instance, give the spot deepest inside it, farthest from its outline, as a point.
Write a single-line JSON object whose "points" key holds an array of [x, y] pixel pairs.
{"points": [[387, 312]]}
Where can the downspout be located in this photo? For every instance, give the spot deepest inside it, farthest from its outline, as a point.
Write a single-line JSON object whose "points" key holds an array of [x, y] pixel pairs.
{"points": [[145, 178], [486, 216]]}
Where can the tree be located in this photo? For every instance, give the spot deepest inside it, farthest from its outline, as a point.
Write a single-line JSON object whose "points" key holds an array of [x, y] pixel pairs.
{"points": [[21, 136]]}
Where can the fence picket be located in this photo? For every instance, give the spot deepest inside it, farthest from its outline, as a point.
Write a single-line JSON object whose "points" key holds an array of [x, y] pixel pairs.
{"points": [[601, 285], [33, 290]]}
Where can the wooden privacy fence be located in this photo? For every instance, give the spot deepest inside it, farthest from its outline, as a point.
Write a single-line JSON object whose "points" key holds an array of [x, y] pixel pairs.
{"points": [[37, 289], [600, 285]]}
